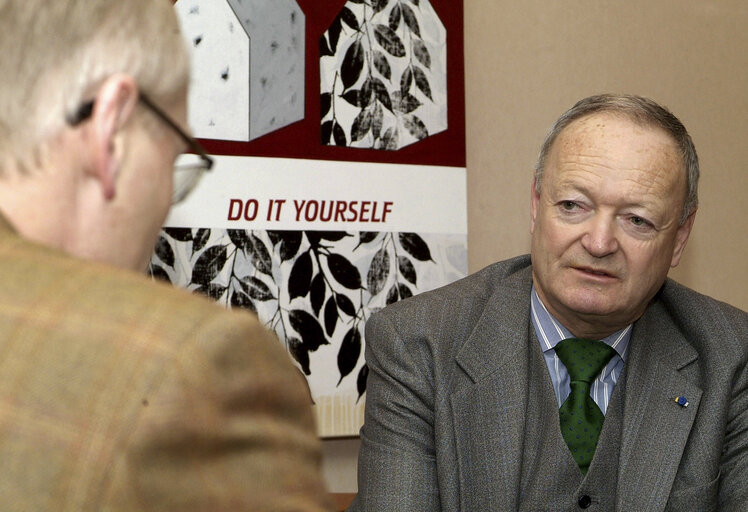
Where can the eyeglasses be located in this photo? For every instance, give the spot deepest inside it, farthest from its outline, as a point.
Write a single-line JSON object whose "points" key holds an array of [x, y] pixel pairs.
{"points": [[189, 167]]}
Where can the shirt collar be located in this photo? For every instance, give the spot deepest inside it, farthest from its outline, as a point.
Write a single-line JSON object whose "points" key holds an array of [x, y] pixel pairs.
{"points": [[550, 331]]}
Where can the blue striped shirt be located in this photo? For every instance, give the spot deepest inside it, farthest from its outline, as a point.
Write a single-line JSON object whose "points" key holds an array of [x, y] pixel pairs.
{"points": [[550, 332]]}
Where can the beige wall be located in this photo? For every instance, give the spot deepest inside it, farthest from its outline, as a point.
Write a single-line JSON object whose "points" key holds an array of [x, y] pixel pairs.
{"points": [[526, 62]]}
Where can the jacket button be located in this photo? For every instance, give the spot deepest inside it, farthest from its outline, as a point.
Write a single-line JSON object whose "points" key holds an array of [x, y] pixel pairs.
{"points": [[584, 501]]}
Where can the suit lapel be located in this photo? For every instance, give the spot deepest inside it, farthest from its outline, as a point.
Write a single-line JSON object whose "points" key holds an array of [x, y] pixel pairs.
{"points": [[489, 414], [655, 427]]}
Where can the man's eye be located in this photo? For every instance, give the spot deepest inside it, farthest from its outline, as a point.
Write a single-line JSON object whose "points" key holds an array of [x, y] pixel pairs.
{"points": [[568, 205], [638, 221]]}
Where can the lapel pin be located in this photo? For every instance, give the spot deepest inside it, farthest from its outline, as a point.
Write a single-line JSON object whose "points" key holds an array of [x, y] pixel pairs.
{"points": [[682, 401]]}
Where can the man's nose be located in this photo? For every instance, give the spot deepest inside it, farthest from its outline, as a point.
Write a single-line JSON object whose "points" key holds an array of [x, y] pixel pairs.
{"points": [[599, 239]]}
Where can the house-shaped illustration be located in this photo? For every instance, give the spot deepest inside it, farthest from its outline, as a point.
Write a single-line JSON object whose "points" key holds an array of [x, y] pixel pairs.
{"points": [[248, 66]]}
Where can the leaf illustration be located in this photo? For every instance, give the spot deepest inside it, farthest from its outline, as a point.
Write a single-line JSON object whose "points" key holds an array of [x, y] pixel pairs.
{"points": [[422, 82], [353, 96], [361, 125], [366, 94], [349, 18], [353, 64], [260, 255], [300, 279], [212, 290], [363, 375], [416, 127], [393, 295], [326, 132], [338, 134], [325, 102], [158, 272], [309, 329], [415, 246], [239, 238], [383, 95], [405, 103], [379, 5], [407, 270], [334, 34], [395, 15], [239, 299], [300, 353], [256, 289], [345, 305], [201, 238], [209, 264], [414, 2], [164, 251], [389, 40], [364, 237], [343, 271], [324, 47], [390, 138], [331, 316], [406, 79], [332, 236], [349, 352], [404, 291], [377, 120], [317, 292], [410, 20], [181, 234], [422, 53], [382, 65], [290, 243], [379, 271]]}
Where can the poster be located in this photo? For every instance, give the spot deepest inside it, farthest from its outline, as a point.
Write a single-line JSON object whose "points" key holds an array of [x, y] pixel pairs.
{"points": [[339, 184]]}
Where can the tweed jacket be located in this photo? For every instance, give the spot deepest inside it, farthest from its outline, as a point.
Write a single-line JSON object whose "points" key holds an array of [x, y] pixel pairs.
{"points": [[447, 398], [118, 393]]}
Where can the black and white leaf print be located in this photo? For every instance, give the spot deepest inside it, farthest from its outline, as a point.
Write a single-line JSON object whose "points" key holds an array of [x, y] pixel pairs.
{"points": [[212, 290], [260, 255], [301, 353], [393, 295], [422, 53], [158, 272], [239, 238], [317, 292], [382, 93], [379, 5], [326, 131], [415, 246], [350, 350], [389, 139], [415, 126], [309, 329], [406, 79], [405, 103], [338, 134], [379, 271], [289, 245], [389, 40], [422, 82], [382, 65], [363, 375], [209, 264], [353, 64], [164, 251], [364, 237], [332, 236], [343, 271], [256, 288], [411, 20], [347, 16], [395, 15], [334, 34], [331, 316], [325, 102], [407, 270], [345, 304], [181, 234], [324, 47], [300, 280], [377, 120], [200, 240], [361, 125], [239, 299], [353, 96]]}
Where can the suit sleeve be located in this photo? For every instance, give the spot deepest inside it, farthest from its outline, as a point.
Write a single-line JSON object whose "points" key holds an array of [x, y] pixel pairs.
{"points": [[733, 486], [397, 465], [228, 428]]}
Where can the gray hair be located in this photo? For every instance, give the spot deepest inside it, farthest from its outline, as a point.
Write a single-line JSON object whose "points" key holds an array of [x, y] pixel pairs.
{"points": [[643, 111], [56, 54]]}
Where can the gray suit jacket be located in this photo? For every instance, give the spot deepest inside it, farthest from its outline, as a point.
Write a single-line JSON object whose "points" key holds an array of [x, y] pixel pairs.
{"points": [[447, 394]]}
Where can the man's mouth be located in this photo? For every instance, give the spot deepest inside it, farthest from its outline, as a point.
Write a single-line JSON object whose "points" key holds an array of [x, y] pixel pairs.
{"points": [[595, 271]]}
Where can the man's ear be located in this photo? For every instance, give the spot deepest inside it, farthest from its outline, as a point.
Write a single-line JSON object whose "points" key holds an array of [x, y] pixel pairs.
{"points": [[113, 106], [681, 237], [534, 200]]}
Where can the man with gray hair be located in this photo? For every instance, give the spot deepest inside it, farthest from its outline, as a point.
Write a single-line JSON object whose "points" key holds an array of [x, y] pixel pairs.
{"points": [[579, 376], [116, 392]]}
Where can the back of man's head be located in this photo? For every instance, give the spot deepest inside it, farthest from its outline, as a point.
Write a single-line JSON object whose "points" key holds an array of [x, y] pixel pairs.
{"points": [[56, 53]]}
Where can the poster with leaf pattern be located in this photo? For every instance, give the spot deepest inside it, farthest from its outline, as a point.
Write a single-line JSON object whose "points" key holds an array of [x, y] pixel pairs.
{"points": [[339, 184]]}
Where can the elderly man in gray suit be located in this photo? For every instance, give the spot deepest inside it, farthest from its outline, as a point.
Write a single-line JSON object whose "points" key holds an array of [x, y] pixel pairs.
{"points": [[578, 377]]}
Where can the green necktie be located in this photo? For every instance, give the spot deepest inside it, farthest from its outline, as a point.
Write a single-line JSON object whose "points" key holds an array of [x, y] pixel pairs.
{"points": [[581, 418]]}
